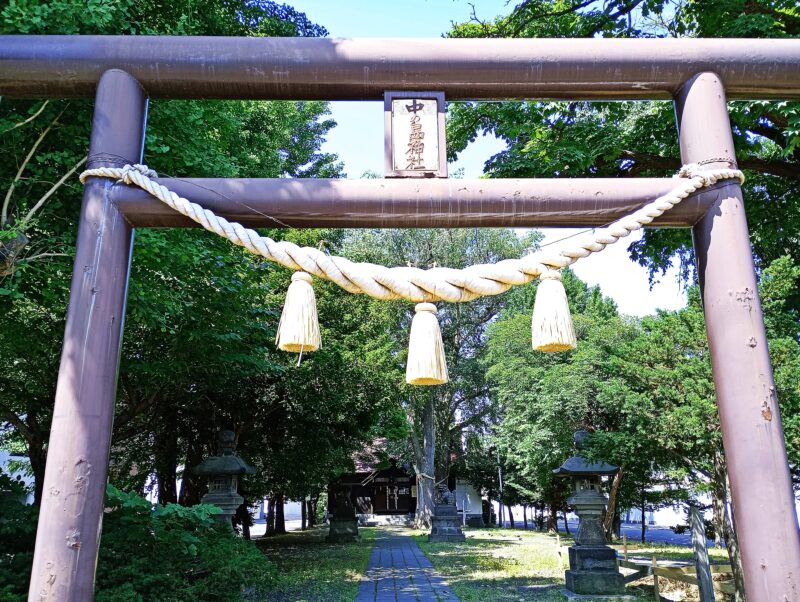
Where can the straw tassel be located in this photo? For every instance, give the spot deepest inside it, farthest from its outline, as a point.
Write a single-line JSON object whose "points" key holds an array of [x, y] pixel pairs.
{"points": [[298, 330], [551, 326], [426, 363]]}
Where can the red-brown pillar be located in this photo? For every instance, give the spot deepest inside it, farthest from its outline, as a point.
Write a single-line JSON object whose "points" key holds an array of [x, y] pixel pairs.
{"points": [[752, 435], [71, 513]]}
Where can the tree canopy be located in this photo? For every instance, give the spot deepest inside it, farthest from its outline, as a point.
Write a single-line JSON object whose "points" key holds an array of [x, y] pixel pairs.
{"points": [[198, 352], [594, 139]]}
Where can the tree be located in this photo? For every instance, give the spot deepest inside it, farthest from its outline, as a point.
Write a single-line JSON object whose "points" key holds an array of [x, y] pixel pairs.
{"points": [[46, 144], [591, 139], [645, 390], [310, 420], [669, 364], [438, 416], [544, 398]]}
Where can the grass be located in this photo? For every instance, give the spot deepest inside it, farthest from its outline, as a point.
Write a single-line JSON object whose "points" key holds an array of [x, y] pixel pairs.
{"points": [[494, 565], [309, 569]]}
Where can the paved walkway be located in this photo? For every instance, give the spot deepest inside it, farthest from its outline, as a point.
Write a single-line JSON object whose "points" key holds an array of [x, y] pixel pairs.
{"points": [[400, 572]]}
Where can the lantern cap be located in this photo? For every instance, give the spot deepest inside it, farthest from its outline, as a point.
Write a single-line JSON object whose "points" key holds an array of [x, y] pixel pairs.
{"points": [[578, 466], [226, 462]]}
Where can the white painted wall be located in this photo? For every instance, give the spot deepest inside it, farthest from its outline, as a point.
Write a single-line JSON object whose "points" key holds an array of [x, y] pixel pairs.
{"points": [[467, 496]]}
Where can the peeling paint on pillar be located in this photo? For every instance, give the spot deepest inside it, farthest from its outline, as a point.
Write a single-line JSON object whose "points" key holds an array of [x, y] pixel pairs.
{"points": [[74, 539], [75, 501], [70, 519], [745, 298], [761, 490], [49, 583], [766, 411]]}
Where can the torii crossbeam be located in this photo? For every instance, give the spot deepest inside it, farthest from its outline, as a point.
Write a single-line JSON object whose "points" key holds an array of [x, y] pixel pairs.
{"points": [[123, 71]]}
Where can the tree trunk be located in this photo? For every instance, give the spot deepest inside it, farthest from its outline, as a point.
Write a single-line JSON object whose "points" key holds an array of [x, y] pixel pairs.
{"points": [[718, 516], [425, 467], [721, 497], [540, 517], [552, 518], [167, 490], [425, 503], [644, 511], [192, 488], [243, 518], [270, 516], [280, 522], [166, 465], [303, 512], [566, 525], [312, 512], [501, 519], [38, 460], [611, 508], [510, 517], [166, 475], [525, 516]]}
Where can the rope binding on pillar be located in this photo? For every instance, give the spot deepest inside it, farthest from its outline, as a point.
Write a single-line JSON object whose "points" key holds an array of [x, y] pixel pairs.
{"points": [[298, 330]]}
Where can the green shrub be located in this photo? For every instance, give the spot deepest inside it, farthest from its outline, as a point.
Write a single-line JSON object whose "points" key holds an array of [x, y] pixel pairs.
{"points": [[173, 553], [165, 553], [17, 534]]}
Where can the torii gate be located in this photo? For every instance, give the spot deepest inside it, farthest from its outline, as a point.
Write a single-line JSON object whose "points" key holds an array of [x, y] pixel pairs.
{"points": [[122, 71]]}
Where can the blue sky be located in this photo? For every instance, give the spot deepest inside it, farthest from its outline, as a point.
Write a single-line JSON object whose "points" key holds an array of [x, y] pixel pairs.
{"points": [[399, 18], [358, 137]]}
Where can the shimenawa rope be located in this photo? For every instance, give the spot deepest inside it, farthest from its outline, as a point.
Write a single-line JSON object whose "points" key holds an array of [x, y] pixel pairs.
{"points": [[415, 284]]}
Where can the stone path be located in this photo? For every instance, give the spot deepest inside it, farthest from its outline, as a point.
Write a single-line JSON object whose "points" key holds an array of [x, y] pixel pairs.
{"points": [[400, 572]]}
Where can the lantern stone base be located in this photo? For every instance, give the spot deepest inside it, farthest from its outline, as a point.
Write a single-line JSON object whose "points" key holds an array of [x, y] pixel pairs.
{"points": [[593, 570], [570, 596], [595, 582], [445, 524], [343, 530]]}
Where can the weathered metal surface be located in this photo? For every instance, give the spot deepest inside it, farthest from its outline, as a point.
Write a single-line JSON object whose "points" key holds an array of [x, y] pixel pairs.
{"points": [[761, 488], [362, 69], [413, 203], [68, 534]]}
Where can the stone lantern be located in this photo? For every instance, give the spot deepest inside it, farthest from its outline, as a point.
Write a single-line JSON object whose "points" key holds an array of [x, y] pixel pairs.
{"points": [[593, 568], [223, 472]]}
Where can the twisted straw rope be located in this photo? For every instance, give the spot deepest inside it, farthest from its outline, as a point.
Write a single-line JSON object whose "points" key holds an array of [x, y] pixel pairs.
{"points": [[415, 284]]}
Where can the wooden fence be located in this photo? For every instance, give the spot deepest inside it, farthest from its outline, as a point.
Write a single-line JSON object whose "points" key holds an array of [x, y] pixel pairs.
{"points": [[674, 570]]}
